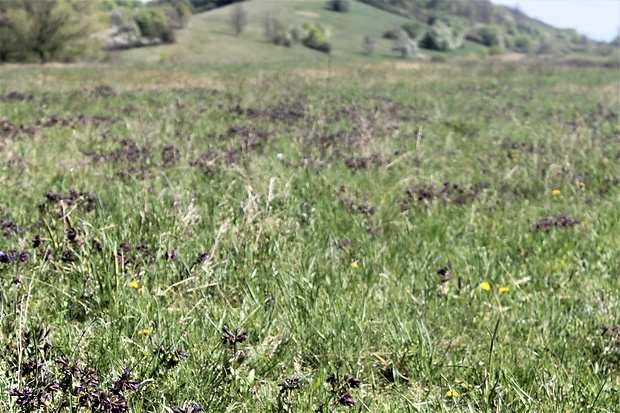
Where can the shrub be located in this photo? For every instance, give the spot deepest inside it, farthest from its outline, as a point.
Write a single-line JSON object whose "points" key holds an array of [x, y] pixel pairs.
{"points": [[439, 59], [342, 6], [442, 36], [392, 34], [412, 28], [491, 35], [405, 46], [523, 44], [43, 31], [153, 24], [316, 37]]}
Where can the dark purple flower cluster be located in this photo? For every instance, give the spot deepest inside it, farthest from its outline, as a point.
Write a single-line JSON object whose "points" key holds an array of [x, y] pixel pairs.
{"points": [[30, 400], [13, 257], [170, 358], [232, 339], [191, 408], [452, 193], [81, 382], [445, 273], [341, 386], [559, 221], [362, 162], [84, 200], [289, 384]]}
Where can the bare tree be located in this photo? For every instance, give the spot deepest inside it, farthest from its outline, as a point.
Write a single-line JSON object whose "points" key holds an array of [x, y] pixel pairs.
{"points": [[369, 45], [238, 18]]}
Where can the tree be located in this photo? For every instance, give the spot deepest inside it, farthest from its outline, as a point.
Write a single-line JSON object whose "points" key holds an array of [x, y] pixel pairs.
{"points": [[405, 46], [47, 30], [444, 34], [369, 45], [154, 24], [491, 35], [238, 19]]}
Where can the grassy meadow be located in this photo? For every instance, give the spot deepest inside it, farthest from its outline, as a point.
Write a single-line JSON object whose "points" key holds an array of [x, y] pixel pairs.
{"points": [[386, 237]]}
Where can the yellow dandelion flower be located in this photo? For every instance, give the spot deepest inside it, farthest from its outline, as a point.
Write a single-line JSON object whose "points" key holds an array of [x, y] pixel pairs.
{"points": [[452, 393], [144, 332], [354, 264], [504, 289], [485, 286], [582, 185], [556, 192], [134, 284]]}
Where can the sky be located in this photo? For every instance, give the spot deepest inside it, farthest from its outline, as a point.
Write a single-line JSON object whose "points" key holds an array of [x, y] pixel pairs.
{"points": [[597, 19]]}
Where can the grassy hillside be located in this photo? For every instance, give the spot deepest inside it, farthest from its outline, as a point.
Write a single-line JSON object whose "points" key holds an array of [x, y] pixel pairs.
{"points": [[210, 38]]}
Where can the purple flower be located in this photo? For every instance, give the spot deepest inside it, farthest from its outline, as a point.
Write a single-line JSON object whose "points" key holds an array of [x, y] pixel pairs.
{"points": [[347, 400], [23, 256], [353, 382]]}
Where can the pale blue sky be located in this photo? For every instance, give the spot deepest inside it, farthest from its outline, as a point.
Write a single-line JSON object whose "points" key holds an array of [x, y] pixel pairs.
{"points": [[597, 19]]}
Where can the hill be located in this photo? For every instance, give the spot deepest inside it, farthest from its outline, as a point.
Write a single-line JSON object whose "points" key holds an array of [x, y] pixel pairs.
{"points": [[478, 28], [209, 37]]}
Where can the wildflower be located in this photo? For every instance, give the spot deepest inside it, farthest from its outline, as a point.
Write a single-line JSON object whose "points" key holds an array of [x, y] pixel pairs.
{"points": [[354, 264], [556, 192], [231, 338], [144, 332], [504, 289], [134, 284], [353, 382], [68, 256], [445, 273], [347, 400], [290, 384], [582, 185], [452, 393], [485, 286]]}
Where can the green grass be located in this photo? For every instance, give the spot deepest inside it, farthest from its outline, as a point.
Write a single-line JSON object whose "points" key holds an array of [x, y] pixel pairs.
{"points": [[258, 177]]}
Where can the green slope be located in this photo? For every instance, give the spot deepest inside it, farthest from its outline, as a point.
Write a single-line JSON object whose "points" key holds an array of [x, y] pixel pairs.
{"points": [[209, 38]]}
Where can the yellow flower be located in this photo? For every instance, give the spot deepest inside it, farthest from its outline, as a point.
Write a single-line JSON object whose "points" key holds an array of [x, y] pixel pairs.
{"points": [[556, 192], [134, 284], [485, 286], [144, 332], [504, 289], [452, 393], [354, 264], [582, 185]]}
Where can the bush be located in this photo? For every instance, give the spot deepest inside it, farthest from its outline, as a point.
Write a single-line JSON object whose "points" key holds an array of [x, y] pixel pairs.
{"points": [[491, 35], [342, 6], [443, 36], [154, 25], [439, 59], [523, 44], [43, 31], [392, 34], [412, 28], [405, 46], [316, 37]]}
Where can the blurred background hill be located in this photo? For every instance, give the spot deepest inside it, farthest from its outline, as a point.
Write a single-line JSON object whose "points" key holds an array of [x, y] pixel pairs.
{"points": [[267, 31]]}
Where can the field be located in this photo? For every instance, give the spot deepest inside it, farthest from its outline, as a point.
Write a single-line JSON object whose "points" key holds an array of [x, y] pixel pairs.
{"points": [[391, 237]]}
